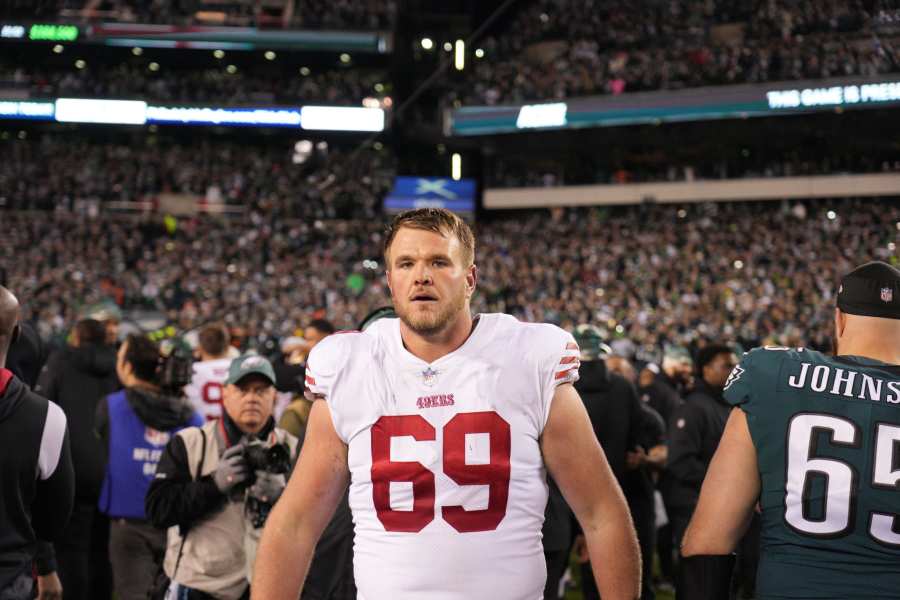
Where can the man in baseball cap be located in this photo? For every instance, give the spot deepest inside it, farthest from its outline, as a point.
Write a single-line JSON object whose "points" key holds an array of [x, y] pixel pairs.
{"points": [[249, 394]]}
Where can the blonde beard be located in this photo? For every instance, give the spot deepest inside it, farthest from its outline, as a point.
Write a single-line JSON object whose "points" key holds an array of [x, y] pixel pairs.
{"points": [[431, 323]]}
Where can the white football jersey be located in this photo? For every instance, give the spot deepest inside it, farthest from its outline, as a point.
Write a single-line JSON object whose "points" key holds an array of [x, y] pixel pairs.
{"points": [[205, 389], [448, 486]]}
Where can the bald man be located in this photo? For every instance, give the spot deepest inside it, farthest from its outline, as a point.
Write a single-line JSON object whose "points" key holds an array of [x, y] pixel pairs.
{"points": [[37, 483], [814, 442]]}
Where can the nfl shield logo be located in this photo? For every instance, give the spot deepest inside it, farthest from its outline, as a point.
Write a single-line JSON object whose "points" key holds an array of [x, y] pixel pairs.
{"points": [[887, 294], [429, 376]]}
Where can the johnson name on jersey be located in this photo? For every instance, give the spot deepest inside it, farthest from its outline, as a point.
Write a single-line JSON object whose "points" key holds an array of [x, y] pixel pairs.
{"points": [[827, 436], [448, 486]]}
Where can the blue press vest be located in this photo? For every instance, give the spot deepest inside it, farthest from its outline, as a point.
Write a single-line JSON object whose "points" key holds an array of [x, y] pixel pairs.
{"points": [[134, 451]]}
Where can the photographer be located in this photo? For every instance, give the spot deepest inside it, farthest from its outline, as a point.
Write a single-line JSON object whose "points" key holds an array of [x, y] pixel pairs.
{"points": [[135, 424], [216, 484]]}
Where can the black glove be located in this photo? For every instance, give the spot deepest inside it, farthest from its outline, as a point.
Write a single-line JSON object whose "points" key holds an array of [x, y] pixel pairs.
{"points": [[232, 469]]}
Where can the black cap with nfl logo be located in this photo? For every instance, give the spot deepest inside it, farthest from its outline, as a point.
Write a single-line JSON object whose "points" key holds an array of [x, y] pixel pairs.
{"points": [[871, 290]]}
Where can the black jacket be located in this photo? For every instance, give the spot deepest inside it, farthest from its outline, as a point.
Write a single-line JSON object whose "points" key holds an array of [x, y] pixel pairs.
{"points": [[77, 379], [37, 483], [694, 435], [662, 396], [614, 409]]}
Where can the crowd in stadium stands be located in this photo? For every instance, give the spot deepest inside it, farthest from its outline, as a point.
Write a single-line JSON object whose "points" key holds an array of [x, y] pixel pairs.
{"points": [[557, 49], [654, 275], [330, 183], [508, 172], [218, 86], [307, 14]]}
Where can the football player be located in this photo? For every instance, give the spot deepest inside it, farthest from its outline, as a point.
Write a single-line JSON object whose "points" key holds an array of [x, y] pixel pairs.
{"points": [[444, 426], [814, 442], [205, 389]]}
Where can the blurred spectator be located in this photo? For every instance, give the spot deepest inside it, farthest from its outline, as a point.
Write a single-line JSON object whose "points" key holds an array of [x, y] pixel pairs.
{"points": [[36, 477], [210, 494], [261, 85], [560, 49], [209, 371], [318, 14], [694, 435], [134, 426], [77, 378], [293, 368], [665, 275]]}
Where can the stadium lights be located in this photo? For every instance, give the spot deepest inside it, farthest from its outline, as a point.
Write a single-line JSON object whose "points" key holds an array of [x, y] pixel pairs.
{"points": [[154, 66], [269, 55], [456, 166], [231, 69], [345, 58], [137, 50], [479, 53], [379, 87], [219, 54], [459, 59], [80, 64], [427, 43], [58, 48], [448, 47]]}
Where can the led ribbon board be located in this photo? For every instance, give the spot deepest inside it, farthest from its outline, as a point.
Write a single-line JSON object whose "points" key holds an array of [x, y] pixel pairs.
{"points": [[138, 112], [696, 104]]}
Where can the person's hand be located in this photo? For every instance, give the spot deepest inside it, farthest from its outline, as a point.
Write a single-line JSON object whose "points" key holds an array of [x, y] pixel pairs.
{"points": [[635, 458], [581, 550], [268, 486], [49, 587], [232, 469]]}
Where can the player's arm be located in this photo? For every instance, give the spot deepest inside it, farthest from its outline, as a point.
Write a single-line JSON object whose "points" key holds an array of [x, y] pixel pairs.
{"points": [[301, 514], [577, 464], [723, 513]]}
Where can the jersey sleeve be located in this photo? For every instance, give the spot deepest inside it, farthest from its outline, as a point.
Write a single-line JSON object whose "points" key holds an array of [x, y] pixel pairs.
{"points": [[558, 364], [738, 386], [324, 366]]}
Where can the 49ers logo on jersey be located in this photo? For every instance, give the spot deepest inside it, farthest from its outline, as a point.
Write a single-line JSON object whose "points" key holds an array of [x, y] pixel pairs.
{"points": [[435, 401]]}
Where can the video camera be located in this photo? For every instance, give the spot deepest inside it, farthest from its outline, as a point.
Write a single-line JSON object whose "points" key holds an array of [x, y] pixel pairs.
{"points": [[176, 365]]}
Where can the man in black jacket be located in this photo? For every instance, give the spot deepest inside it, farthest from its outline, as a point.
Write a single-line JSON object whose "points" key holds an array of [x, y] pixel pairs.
{"points": [[76, 378], [694, 435], [36, 477], [614, 410]]}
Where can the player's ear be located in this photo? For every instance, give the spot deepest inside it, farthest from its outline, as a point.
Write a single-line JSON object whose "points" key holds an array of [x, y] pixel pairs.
{"points": [[840, 322], [471, 278]]}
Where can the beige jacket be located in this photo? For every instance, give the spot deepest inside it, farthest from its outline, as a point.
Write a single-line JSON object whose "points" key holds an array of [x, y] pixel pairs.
{"points": [[218, 551]]}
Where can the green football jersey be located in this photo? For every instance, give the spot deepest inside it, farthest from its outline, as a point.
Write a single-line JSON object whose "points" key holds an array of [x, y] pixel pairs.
{"points": [[827, 437]]}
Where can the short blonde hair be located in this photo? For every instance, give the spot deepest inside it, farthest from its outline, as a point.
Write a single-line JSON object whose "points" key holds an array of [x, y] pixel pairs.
{"points": [[437, 220]]}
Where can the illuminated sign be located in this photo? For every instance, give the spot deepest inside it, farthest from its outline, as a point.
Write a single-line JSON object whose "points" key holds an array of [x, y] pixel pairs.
{"points": [[431, 192], [542, 115], [53, 33], [691, 104], [137, 112], [14, 109], [14, 32], [187, 115], [834, 95], [341, 118], [109, 112]]}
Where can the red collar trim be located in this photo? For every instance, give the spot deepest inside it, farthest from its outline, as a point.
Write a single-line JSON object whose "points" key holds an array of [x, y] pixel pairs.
{"points": [[5, 377]]}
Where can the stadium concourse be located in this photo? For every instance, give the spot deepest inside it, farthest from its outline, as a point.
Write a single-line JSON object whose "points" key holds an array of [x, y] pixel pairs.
{"points": [[758, 272]]}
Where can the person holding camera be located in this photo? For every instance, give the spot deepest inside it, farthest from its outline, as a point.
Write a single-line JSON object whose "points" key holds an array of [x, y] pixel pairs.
{"points": [[135, 425], [216, 484]]}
